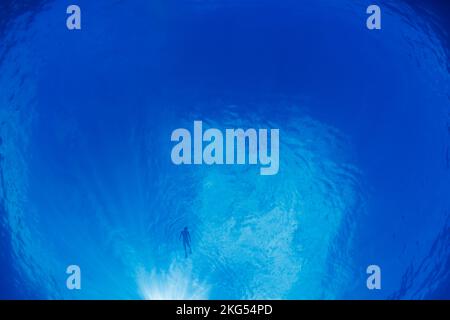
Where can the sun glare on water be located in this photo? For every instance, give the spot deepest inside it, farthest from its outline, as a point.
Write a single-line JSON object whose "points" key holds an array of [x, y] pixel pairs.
{"points": [[177, 283]]}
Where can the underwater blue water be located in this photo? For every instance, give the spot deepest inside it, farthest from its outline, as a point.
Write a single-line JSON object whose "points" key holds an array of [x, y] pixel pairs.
{"points": [[86, 176]]}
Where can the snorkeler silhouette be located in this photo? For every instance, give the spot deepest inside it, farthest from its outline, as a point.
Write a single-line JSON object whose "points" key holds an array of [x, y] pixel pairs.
{"points": [[186, 241]]}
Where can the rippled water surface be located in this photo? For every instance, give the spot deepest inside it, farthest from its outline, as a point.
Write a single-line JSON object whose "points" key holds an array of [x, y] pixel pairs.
{"points": [[86, 176]]}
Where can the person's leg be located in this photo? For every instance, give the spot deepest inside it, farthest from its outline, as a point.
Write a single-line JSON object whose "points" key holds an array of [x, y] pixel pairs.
{"points": [[190, 249], [185, 251]]}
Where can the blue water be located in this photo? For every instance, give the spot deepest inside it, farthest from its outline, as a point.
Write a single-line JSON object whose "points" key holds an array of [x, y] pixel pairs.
{"points": [[86, 176]]}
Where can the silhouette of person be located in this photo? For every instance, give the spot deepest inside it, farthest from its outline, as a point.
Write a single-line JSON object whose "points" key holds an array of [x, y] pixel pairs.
{"points": [[186, 241]]}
